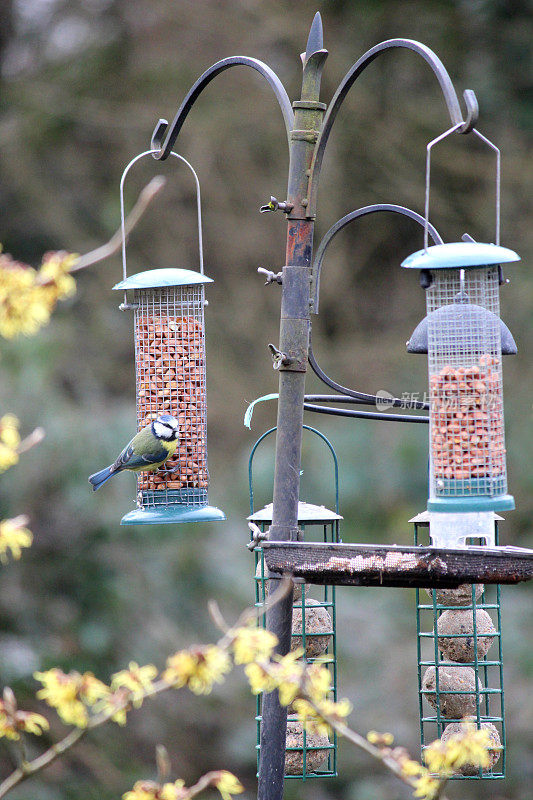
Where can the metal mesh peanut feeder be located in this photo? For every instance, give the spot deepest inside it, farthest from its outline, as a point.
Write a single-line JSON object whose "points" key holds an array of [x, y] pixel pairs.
{"points": [[313, 627], [464, 339], [170, 372]]}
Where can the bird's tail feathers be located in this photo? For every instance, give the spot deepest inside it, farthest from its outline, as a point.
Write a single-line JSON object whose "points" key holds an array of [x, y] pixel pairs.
{"points": [[99, 478]]}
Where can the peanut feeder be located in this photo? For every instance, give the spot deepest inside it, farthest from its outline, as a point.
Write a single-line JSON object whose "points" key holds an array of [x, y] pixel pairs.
{"points": [[465, 340], [170, 375]]}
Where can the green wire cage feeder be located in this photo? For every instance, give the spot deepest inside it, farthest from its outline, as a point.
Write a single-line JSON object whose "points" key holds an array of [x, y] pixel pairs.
{"points": [[170, 370], [313, 625], [460, 663]]}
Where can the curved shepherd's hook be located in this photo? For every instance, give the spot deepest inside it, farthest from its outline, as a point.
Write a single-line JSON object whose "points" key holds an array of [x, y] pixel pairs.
{"points": [[353, 215], [450, 96], [163, 148]]}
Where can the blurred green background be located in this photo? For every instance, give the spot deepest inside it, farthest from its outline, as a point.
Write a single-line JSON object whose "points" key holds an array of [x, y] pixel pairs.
{"points": [[82, 85]]}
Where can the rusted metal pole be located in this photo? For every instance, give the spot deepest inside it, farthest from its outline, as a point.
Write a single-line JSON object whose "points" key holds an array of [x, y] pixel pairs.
{"points": [[294, 345]]}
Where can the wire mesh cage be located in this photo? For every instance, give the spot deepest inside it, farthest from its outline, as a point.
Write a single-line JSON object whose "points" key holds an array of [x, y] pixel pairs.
{"points": [[170, 369], [313, 628], [460, 667], [464, 339]]}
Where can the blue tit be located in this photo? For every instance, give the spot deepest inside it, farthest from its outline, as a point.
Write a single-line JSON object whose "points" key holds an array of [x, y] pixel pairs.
{"points": [[146, 452]]}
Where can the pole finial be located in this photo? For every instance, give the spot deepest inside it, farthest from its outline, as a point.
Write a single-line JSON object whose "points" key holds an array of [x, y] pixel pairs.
{"points": [[315, 40]]}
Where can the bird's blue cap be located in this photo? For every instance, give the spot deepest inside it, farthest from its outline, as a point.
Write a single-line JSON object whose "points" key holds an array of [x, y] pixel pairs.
{"points": [[460, 255], [158, 278]]}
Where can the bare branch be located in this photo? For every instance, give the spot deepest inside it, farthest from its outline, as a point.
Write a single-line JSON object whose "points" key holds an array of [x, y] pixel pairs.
{"points": [[216, 615], [30, 441], [383, 754], [113, 245], [163, 763]]}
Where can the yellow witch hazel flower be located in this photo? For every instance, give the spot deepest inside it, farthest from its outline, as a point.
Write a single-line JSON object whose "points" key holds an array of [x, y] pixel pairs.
{"points": [[149, 790], [380, 739], [142, 790], [138, 680], [253, 644], [288, 672], [228, 785], [173, 791], [9, 441], [314, 718], [70, 694], [13, 537], [470, 746], [22, 309], [259, 679], [61, 692], [55, 271], [426, 787], [317, 682], [28, 297], [198, 668], [14, 722]]}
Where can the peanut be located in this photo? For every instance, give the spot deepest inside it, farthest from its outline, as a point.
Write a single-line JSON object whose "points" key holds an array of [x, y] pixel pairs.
{"points": [[170, 368], [467, 420]]}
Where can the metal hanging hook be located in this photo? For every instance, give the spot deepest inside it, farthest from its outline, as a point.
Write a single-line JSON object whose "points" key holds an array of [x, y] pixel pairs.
{"points": [[460, 128], [122, 215]]}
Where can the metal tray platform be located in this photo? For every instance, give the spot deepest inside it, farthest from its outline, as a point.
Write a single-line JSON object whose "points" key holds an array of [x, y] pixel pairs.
{"points": [[395, 565]]}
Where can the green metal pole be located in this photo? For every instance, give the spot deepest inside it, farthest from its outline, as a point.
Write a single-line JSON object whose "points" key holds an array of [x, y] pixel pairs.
{"points": [[294, 345]]}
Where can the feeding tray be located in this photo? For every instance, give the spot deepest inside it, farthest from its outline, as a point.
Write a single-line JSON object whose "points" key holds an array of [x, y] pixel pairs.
{"points": [[394, 565]]}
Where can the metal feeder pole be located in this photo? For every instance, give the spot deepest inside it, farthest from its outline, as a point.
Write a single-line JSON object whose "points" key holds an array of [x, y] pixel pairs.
{"points": [[294, 345]]}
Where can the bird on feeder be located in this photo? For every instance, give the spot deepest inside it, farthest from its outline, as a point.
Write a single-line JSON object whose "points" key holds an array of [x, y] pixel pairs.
{"points": [[146, 452]]}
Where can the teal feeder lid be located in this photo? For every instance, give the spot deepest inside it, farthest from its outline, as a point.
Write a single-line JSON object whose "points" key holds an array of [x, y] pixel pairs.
{"points": [[158, 278], [460, 255]]}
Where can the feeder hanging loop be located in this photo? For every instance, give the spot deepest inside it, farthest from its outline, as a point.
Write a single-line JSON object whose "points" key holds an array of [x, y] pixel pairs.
{"points": [[125, 306]]}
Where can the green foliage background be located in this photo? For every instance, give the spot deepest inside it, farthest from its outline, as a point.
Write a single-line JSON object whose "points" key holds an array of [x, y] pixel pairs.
{"points": [[83, 82]]}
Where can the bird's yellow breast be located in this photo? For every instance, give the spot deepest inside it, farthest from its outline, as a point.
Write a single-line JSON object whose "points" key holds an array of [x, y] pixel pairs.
{"points": [[170, 446]]}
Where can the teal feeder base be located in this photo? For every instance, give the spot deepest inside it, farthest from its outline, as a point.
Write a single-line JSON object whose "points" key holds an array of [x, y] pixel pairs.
{"points": [[173, 514], [165, 507], [466, 503]]}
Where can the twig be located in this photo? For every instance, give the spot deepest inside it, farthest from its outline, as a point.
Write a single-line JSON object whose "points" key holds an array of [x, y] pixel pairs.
{"points": [[384, 755], [439, 795], [216, 615], [113, 245], [31, 767], [163, 763], [362, 742], [286, 586], [30, 441]]}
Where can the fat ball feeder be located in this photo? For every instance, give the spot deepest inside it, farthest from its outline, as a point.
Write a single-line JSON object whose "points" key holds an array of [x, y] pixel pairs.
{"points": [[460, 661], [170, 376], [314, 625]]}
